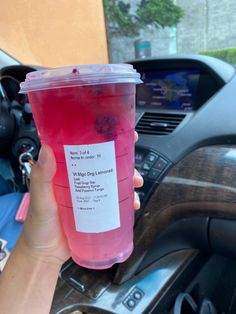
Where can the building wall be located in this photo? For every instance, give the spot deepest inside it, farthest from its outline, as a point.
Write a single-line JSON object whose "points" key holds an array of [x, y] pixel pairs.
{"points": [[207, 24], [54, 32], [191, 32]]}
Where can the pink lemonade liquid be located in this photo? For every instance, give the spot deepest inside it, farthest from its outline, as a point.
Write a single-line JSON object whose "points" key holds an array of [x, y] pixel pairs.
{"points": [[89, 115]]}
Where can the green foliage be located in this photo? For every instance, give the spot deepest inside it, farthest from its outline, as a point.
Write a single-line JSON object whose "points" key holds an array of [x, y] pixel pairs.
{"points": [[231, 55], [157, 13], [119, 19], [227, 54]]}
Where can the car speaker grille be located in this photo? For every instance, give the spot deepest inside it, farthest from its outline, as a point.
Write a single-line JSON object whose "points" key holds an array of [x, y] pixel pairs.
{"points": [[158, 123]]}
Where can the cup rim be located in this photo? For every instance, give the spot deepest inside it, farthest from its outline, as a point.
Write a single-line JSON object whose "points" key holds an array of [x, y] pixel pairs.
{"points": [[80, 75]]}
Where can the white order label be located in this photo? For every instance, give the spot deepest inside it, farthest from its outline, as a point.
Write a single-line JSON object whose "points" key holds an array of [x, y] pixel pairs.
{"points": [[93, 185]]}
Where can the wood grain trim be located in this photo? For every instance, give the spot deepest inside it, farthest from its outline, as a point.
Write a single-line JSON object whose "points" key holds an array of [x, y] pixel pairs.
{"points": [[202, 184]]}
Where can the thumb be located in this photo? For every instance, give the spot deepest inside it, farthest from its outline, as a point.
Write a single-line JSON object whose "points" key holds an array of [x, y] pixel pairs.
{"points": [[46, 166], [42, 232], [42, 199]]}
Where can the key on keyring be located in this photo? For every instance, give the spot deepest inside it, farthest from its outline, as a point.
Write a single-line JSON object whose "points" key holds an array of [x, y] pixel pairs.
{"points": [[23, 174], [25, 166]]}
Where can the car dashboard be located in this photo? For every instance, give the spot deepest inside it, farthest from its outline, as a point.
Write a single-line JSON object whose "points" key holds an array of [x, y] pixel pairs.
{"points": [[186, 153], [179, 109]]}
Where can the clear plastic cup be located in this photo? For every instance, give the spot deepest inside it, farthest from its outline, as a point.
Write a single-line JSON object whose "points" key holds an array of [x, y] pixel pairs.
{"points": [[86, 114]]}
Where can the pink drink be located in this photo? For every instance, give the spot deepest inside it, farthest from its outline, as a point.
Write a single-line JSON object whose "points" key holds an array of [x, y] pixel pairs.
{"points": [[91, 131]]}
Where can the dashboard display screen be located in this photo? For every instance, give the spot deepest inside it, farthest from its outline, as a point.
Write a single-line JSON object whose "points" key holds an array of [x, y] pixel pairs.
{"points": [[168, 90]]}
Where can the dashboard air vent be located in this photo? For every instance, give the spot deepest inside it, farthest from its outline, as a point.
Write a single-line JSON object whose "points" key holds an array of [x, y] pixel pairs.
{"points": [[158, 123]]}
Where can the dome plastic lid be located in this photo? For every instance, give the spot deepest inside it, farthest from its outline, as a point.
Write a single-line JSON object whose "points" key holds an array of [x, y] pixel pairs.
{"points": [[80, 75]]}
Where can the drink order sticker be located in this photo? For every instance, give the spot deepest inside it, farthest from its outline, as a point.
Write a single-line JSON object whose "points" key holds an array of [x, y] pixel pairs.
{"points": [[93, 185]]}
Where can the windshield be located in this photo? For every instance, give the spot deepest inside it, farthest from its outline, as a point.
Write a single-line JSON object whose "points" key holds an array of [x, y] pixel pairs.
{"points": [[151, 28], [135, 29], [6, 59]]}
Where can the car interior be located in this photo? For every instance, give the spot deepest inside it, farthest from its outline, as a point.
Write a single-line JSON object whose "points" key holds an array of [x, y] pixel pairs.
{"points": [[185, 232]]}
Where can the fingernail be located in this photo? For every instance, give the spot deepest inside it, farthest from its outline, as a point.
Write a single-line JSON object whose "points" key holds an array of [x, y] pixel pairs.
{"points": [[42, 156], [137, 173]]}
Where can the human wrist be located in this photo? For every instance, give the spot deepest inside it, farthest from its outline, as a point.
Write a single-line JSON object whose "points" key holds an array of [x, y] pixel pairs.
{"points": [[38, 255], [31, 278]]}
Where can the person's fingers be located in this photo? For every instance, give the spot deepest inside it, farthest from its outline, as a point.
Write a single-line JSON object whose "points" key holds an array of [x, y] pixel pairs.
{"points": [[138, 179], [136, 201], [41, 190]]}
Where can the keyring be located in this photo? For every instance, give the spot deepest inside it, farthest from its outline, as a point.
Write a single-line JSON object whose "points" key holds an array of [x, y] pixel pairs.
{"points": [[24, 155]]}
